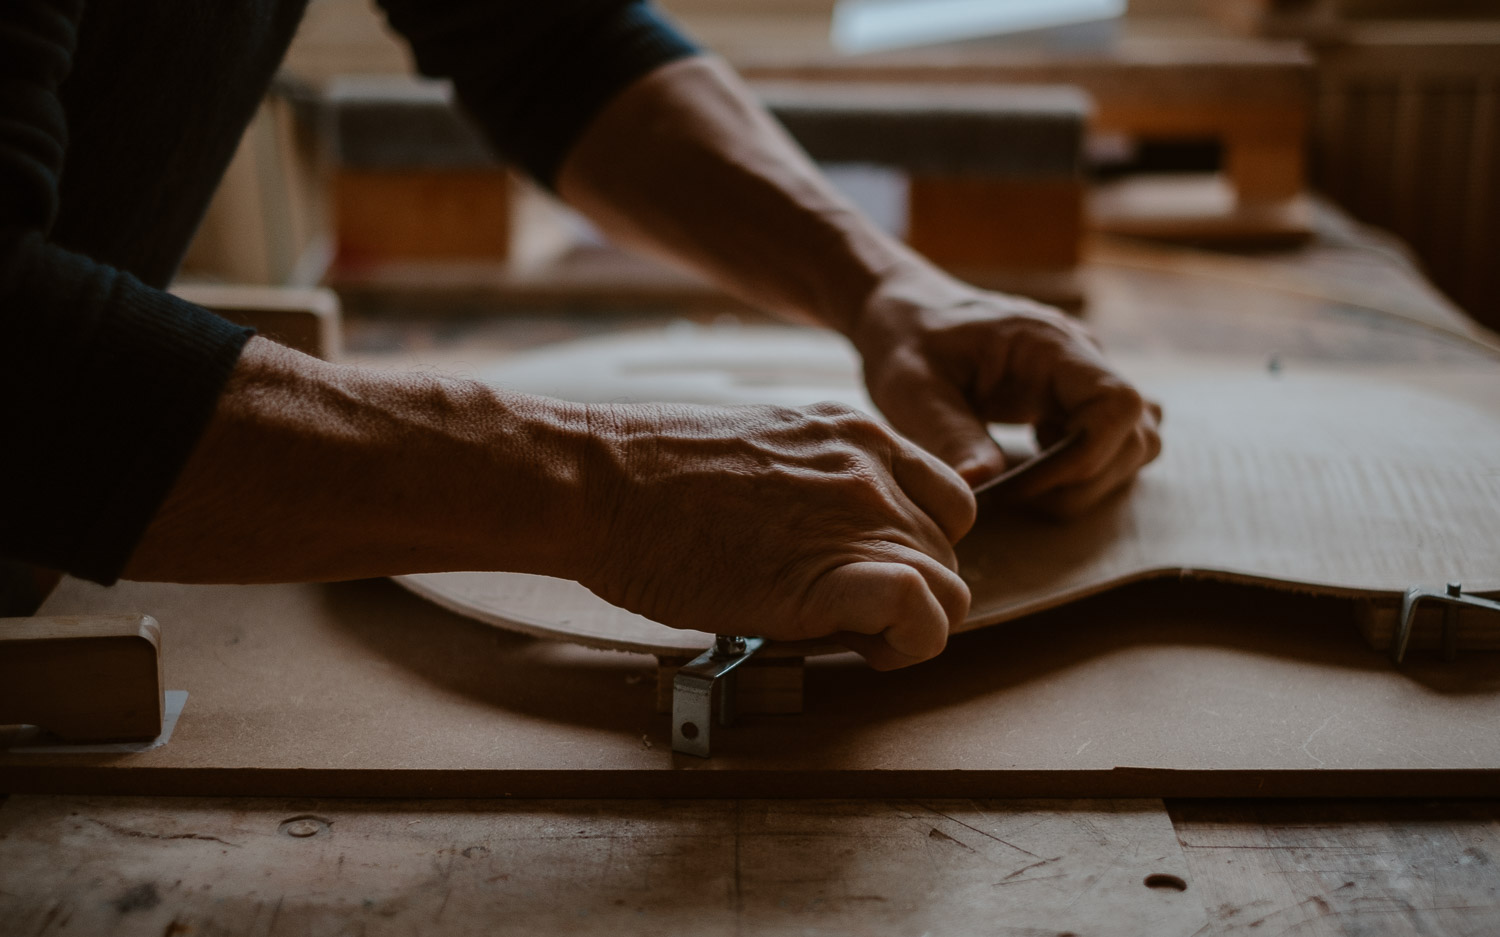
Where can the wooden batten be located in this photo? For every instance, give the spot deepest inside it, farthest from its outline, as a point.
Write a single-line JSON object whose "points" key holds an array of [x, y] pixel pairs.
{"points": [[1478, 629], [83, 678], [402, 214], [979, 223]]}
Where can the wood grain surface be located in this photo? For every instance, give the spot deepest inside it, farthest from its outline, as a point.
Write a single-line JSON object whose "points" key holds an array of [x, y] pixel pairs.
{"points": [[604, 868], [1341, 869], [268, 867]]}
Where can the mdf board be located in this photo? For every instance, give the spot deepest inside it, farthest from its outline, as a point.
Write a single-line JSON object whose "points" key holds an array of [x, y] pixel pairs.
{"points": [[360, 689], [1175, 687]]}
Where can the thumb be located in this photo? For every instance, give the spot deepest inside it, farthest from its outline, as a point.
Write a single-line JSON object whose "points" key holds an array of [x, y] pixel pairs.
{"points": [[886, 612], [933, 414]]}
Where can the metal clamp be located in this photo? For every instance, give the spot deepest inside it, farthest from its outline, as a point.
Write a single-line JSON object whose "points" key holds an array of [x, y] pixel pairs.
{"points": [[1452, 599], [706, 680]]}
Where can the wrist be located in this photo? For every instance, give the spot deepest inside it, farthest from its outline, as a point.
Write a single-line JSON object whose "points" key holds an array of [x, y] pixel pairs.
{"points": [[895, 308], [532, 460]]}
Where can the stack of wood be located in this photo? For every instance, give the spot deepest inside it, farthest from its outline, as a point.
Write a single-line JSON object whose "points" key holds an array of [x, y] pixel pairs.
{"points": [[995, 188]]}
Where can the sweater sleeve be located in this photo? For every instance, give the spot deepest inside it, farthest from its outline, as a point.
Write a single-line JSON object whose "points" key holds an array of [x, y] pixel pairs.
{"points": [[105, 384], [533, 74]]}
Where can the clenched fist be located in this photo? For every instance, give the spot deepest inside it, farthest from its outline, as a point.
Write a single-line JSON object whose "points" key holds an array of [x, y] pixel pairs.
{"points": [[941, 363], [789, 523]]}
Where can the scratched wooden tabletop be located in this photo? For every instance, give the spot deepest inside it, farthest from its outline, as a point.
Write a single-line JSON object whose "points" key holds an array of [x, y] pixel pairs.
{"points": [[158, 866]]}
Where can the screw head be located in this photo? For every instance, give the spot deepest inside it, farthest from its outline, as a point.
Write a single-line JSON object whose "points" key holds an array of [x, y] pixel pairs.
{"points": [[304, 826]]}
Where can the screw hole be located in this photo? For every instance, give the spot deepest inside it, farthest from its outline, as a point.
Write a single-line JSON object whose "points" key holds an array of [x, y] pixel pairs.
{"points": [[1165, 882], [689, 730]]}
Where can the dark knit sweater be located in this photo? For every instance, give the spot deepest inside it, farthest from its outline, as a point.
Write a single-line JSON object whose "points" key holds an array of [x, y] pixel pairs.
{"points": [[117, 118]]}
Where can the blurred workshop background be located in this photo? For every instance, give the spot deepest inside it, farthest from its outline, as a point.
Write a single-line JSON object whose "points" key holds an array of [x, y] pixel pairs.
{"points": [[1244, 125]]}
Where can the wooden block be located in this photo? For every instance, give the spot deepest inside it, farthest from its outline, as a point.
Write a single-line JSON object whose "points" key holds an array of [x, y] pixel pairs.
{"points": [[1478, 629], [979, 223], [1265, 170], [305, 319], [767, 686], [386, 215], [85, 679]]}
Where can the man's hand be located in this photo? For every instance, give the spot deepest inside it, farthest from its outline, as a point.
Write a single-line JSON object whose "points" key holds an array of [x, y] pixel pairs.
{"points": [[716, 184], [789, 523], [942, 362]]}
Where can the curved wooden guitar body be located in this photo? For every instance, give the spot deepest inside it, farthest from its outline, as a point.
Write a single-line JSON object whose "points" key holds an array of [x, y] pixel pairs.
{"points": [[1334, 481]]}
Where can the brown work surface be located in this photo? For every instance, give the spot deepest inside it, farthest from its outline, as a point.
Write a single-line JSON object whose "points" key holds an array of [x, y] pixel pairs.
{"points": [[1194, 690], [1170, 689], [269, 867], [1344, 869], [141, 866]]}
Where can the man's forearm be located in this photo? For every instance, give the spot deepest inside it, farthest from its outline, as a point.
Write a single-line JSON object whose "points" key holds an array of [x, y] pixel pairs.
{"points": [[685, 163], [315, 471], [793, 523]]}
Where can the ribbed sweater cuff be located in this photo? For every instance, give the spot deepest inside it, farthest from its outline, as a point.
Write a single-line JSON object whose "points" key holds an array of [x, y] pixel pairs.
{"points": [[599, 65], [158, 366]]}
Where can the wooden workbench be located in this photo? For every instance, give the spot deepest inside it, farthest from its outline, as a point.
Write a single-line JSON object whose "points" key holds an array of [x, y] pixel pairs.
{"points": [[907, 866]]}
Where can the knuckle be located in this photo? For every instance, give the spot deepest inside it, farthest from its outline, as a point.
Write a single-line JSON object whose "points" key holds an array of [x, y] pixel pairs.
{"points": [[965, 513], [1153, 445], [840, 421], [786, 415], [1124, 401], [832, 410]]}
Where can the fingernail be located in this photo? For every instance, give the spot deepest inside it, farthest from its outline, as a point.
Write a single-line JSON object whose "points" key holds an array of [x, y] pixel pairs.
{"points": [[973, 471]]}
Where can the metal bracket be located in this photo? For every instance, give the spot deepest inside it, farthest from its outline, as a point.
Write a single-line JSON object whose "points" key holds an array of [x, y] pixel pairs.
{"points": [[1453, 599], [706, 680]]}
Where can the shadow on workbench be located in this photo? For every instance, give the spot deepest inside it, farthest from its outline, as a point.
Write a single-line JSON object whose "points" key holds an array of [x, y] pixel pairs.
{"points": [[518, 674]]}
